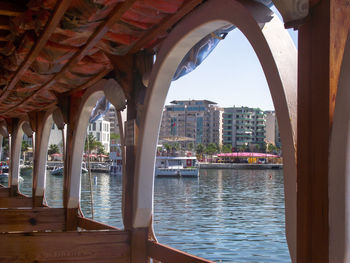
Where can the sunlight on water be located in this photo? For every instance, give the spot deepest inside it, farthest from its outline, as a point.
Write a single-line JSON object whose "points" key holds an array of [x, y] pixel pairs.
{"points": [[224, 215]]}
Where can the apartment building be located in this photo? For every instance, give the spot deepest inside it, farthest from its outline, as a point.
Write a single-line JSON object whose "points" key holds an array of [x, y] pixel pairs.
{"points": [[100, 129], [272, 131], [199, 120], [243, 126]]}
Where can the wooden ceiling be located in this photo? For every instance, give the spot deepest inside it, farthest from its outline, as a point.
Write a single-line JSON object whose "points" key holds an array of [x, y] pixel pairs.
{"points": [[50, 47]]}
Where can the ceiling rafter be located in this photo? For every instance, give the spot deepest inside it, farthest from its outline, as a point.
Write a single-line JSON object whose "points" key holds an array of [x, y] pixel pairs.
{"points": [[7, 8], [165, 25], [50, 27], [115, 16]]}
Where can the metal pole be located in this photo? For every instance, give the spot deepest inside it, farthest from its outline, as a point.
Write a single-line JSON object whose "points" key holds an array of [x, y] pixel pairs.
{"points": [[89, 171]]}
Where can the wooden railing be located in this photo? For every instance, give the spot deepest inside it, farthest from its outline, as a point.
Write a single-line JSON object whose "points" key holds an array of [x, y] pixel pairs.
{"points": [[162, 253]]}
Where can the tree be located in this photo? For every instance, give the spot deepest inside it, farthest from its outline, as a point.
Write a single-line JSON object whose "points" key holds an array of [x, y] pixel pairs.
{"points": [[25, 146], [115, 136], [271, 148], [211, 148], [190, 146], [263, 147], [92, 143], [53, 148], [227, 148], [200, 148]]}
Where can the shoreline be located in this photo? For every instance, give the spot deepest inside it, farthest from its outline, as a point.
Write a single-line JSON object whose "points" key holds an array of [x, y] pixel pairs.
{"points": [[237, 166]]}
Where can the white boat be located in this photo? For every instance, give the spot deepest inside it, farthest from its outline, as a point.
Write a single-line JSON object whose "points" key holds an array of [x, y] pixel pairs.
{"points": [[58, 171], [169, 166]]}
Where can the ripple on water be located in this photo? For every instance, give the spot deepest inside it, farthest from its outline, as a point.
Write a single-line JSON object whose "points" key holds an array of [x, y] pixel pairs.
{"points": [[224, 215]]}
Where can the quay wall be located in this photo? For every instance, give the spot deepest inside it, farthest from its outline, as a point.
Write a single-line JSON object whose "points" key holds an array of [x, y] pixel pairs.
{"points": [[251, 166]]}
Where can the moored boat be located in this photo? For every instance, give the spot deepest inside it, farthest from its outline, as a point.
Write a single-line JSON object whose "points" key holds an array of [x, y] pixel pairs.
{"points": [[182, 166]]}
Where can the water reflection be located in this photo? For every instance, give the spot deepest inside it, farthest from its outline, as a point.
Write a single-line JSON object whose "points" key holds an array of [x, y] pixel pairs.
{"points": [[224, 215]]}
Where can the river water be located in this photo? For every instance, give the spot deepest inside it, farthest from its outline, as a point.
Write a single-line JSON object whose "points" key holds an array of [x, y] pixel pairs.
{"points": [[224, 215]]}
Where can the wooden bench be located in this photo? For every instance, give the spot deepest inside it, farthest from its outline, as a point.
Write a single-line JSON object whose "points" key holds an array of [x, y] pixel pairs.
{"points": [[86, 246], [32, 219]]}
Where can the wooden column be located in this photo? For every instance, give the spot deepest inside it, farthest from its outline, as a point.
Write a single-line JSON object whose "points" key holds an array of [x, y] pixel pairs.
{"points": [[71, 110], [321, 46], [41, 124], [128, 71], [15, 152]]}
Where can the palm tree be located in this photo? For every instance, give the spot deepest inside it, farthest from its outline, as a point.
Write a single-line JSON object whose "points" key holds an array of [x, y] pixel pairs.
{"points": [[53, 148]]}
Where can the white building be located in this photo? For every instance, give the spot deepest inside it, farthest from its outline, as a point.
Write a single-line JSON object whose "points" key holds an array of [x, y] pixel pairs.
{"points": [[100, 129], [56, 136]]}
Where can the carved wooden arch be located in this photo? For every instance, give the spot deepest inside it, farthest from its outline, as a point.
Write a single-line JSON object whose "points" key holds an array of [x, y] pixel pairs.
{"points": [[76, 150], [339, 168], [42, 137], [278, 57], [15, 152]]}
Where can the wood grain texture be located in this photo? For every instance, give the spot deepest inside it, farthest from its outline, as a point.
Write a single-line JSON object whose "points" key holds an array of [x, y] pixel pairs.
{"points": [[187, 7], [89, 224], [167, 254], [8, 8], [37, 219], [314, 126], [57, 15], [15, 201], [4, 192], [87, 246]]}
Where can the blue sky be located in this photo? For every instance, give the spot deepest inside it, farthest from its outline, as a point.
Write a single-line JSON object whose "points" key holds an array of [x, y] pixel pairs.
{"points": [[231, 76]]}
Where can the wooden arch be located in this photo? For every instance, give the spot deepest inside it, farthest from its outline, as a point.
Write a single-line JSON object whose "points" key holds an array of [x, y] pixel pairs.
{"points": [[278, 57], [76, 139], [15, 153]]}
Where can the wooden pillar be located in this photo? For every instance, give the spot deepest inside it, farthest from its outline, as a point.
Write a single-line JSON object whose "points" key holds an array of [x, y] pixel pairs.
{"points": [[15, 152], [41, 124], [321, 46], [71, 212]]}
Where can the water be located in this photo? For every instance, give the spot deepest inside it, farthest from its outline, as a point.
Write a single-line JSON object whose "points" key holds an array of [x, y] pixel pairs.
{"points": [[224, 215]]}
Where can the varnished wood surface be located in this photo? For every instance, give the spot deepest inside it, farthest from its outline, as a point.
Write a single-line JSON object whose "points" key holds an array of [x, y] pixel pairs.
{"points": [[89, 224], [37, 219], [87, 246], [4, 192], [165, 25], [314, 126], [167, 254], [15, 201]]}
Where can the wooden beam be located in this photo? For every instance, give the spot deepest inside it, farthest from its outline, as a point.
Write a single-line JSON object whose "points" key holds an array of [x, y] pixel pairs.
{"points": [[89, 224], [4, 23], [167, 254], [84, 246], [37, 219], [16, 201], [4, 192], [8, 8], [50, 27], [314, 126], [168, 22], [115, 15]]}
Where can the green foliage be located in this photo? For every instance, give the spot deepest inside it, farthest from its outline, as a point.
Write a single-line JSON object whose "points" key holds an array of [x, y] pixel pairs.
{"points": [[262, 147], [227, 148], [211, 148], [25, 146], [53, 148], [271, 148], [167, 147], [200, 149], [190, 146], [115, 136]]}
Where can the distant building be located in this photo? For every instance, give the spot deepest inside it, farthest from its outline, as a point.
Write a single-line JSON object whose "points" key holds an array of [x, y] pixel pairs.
{"points": [[272, 131], [56, 136], [243, 126], [100, 129], [199, 120], [111, 117]]}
